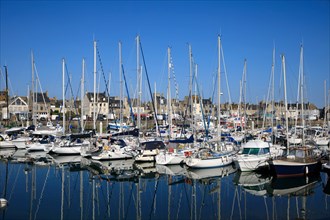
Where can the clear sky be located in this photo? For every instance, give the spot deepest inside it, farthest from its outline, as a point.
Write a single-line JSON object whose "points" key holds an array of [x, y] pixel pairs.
{"points": [[249, 30]]}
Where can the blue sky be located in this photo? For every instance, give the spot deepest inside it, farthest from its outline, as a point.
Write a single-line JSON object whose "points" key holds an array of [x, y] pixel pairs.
{"points": [[249, 30]]}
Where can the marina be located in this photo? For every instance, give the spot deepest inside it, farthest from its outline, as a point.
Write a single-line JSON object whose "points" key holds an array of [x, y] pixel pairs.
{"points": [[129, 110]]}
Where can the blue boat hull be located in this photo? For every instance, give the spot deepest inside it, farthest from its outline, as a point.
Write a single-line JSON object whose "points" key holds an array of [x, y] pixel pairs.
{"points": [[285, 170]]}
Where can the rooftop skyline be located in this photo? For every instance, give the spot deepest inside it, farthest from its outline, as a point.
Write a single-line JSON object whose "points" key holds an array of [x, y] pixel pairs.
{"points": [[249, 30]]}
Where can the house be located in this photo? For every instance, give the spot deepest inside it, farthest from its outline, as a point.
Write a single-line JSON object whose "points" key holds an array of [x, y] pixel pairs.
{"points": [[41, 106], [105, 106], [18, 105]]}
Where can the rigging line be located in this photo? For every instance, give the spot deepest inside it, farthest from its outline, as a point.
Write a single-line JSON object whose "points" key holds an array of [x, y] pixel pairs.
{"points": [[130, 199], [185, 189], [42, 193], [209, 118], [106, 84], [180, 199], [225, 69], [153, 198], [102, 191], [14, 183], [268, 98], [42, 93], [69, 84], [201, 104], [186, 112], [129, 99], [100, 61], [174, 78], [152, 98]]}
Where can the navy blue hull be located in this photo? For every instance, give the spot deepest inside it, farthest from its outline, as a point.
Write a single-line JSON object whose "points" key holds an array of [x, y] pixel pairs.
{"points": [[296, 170]]}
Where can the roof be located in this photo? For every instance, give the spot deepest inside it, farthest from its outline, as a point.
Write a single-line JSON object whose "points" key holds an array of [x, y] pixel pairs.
{"points": [[42, 97], [101, 97], [19, 100]]}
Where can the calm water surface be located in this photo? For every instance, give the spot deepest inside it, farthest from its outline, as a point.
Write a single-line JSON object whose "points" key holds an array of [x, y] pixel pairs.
{"points": [[71, 187]]}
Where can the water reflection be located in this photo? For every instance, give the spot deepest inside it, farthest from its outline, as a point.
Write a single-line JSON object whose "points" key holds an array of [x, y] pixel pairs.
{"points": [[72, 187]]}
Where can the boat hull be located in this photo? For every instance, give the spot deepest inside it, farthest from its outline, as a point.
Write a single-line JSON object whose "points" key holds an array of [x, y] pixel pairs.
{"points": [[251, 163], [112, 156], [169, 159], [284, 168], [209, 163]]}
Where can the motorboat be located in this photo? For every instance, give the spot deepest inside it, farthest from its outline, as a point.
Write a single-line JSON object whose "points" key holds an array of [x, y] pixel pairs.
{"points": [[298, 161], [253, 156]]}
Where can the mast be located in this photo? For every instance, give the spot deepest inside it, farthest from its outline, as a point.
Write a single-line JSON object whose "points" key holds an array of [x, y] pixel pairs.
{"points": [[82, 93], [7, 95], [325, 103], [240, 103], [109, 97], [285, 103], [301, 70], [121, 89], [32, 92], [273, 92], [190, 79], [156, 107], [139, 80], [244, 90], [219, 88], [63, 94], [169, 104], [94, 99]]}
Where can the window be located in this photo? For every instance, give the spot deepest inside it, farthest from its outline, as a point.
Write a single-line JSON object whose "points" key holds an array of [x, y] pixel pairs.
{"points": [[253, 151], [264, 150]]}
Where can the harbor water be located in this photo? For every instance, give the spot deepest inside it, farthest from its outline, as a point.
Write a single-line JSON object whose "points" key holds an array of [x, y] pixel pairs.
{"points": [[72, 187]]}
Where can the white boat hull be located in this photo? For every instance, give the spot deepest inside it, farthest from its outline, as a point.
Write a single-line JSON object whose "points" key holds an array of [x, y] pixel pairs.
{"points": [[38, 147], [112, 155], [209, 163], [7, 144], [251, 162], [169, 158], [21, 142]]}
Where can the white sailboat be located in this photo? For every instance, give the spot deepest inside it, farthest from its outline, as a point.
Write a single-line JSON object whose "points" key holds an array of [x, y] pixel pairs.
{"points": [[205, 157], [116, 149], [170, 156]]}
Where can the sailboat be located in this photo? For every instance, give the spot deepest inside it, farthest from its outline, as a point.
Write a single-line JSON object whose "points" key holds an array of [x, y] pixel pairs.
{"points": [[172, 155], [299, 160], [116, 149], [206, 157]]}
